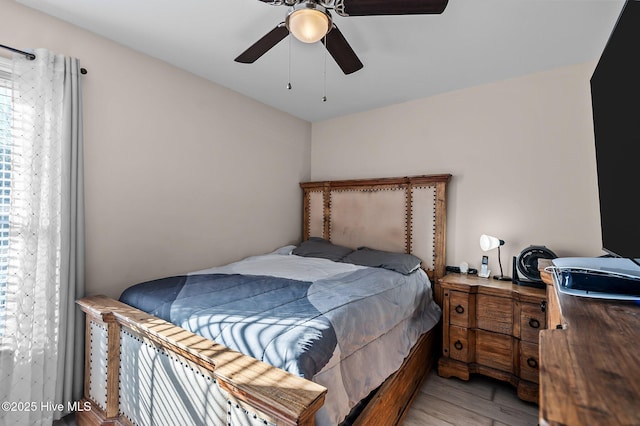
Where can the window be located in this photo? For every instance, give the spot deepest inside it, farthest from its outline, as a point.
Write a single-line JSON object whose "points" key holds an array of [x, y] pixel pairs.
{"points": [[5, 180]]}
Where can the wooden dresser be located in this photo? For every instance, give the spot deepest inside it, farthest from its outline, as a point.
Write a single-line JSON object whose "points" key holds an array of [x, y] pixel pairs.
{"points": [[590, 365], [491, 327]]}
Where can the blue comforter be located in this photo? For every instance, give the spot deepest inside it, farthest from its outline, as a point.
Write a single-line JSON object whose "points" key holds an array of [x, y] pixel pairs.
{"points": [[268, 318], [346, 327]]}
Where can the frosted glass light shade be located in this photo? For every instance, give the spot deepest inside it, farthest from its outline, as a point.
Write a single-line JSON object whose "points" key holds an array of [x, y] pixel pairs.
{"points": [[488, 242], [308, 25]]}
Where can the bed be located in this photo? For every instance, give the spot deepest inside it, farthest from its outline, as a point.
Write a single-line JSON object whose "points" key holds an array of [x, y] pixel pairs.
{"points": [[184, 350]]}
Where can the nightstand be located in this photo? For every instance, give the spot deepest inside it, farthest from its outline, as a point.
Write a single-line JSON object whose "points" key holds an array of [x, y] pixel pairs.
{"points": [[491, 327]]}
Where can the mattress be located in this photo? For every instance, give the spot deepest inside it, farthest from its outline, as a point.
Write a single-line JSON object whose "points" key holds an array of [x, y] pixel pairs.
{"points": [[344, 326]]}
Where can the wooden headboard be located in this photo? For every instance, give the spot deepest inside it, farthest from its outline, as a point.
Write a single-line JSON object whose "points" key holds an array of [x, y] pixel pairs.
{"points": [[404, 214]]}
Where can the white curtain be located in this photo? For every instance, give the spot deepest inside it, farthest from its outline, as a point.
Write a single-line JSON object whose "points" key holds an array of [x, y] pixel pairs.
{"points": [[41, 347]]}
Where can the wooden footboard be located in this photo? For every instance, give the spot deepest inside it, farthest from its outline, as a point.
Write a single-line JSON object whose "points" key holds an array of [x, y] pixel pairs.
{"points": [[140, 369]]}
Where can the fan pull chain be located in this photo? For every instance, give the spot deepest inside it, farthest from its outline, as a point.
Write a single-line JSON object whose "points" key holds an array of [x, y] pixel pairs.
{"points": [[324, 89], [289, 83]]}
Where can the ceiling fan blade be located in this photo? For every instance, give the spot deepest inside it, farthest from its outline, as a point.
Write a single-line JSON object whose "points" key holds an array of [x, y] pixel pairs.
{"points": [[389, 7], [342, 53], [263, 45]]}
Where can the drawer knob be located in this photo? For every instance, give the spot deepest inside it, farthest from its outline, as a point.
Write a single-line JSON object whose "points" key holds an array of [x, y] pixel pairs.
{"points": [[534, 323], [531, 362], [460, 309], [458, 345]]}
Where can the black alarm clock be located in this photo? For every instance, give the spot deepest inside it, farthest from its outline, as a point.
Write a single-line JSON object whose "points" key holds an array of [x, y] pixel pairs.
{"points": [[526, 264]]}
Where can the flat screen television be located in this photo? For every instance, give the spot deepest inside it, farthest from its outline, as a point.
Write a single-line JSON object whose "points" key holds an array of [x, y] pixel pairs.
{"points": [[615, 97]]}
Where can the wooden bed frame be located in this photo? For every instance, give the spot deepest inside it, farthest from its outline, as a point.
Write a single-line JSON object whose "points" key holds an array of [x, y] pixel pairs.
{"points": [[140, 369]]}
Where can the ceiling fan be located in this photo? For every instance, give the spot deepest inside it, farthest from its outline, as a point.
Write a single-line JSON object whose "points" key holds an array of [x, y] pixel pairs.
{"points": [[310, 21]]}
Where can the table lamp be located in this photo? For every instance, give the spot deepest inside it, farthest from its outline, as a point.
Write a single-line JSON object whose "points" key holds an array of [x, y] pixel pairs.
{"points": [[487, 243]]}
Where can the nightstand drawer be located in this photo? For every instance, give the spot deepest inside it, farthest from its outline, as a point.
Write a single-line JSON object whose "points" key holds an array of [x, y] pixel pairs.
{"points": [[532, 320], [495, 314], [529, 362], [495, 350], [460, 344], [459, 308]]}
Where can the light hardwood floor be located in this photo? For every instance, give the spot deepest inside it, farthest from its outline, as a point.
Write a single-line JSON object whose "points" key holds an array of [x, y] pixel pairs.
{"points": [[480, 401]]}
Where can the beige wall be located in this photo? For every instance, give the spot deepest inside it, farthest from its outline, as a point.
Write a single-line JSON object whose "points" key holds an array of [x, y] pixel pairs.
{"points": [[521, 153], [174, 173], [181, 174]]}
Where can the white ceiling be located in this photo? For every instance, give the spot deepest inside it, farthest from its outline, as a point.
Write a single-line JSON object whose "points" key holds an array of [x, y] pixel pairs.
{"points": [[405, 57]]}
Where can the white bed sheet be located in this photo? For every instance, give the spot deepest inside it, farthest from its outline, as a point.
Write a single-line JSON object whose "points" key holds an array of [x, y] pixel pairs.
{"points": [[281, 263]]}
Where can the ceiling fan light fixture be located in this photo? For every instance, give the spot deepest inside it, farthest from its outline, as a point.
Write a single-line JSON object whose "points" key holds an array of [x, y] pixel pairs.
{"points": [[308, 22]]}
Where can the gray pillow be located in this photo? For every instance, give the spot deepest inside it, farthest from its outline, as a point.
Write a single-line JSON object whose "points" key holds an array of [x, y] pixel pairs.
{"points": [[319, 247], [399, 262]]}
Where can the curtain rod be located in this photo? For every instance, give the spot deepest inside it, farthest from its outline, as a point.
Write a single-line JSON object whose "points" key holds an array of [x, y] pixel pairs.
{"points": [[31, 56]]}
